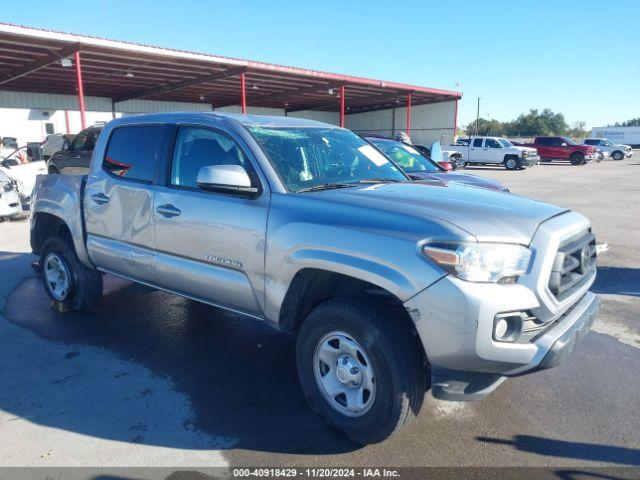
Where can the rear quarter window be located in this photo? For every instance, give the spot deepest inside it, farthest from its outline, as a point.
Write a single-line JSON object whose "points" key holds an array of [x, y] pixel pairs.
{"points": [[132, 152]]}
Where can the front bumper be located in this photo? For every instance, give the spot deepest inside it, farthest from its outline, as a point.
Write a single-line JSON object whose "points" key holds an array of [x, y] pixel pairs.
{"points": [[454, 320], [10, 204], [590, 156], [530, 161]]}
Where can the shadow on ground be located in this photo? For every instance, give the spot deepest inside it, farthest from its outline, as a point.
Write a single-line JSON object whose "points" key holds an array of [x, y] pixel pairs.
{"points": [[238, 375], [565, 449], [618, 281]]}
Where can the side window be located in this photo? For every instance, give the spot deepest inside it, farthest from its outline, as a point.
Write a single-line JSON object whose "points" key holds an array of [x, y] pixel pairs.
{"points": [[132, 152], [198, 147], [491, 143], [591, 142], [79, 141], [556, 142], [477, 142]]}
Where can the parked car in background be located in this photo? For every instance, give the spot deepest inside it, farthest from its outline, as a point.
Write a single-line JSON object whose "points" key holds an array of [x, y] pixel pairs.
{"points": [[391, 286], [10, 206], [23, 167], [74, 157], [420, 167], [56, 142], [615, 150], [453, 157], [563, 148], [497, 151]]}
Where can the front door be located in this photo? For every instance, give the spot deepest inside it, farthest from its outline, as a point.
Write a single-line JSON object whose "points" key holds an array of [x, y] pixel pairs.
{"points": [[118, 202], [210, 245]]}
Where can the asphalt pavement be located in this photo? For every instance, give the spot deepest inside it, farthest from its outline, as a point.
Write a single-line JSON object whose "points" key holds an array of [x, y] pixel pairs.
{"points": [[151, 379]]}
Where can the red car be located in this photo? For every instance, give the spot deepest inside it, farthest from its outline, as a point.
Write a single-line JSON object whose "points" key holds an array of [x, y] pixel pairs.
{"points": [[563, 148]]}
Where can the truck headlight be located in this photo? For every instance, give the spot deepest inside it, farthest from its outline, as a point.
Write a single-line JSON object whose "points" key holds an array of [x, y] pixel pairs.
{"points": [[481, 262], [525, 153]]}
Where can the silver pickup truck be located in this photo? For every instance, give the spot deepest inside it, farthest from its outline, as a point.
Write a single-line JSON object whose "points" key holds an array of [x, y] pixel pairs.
{"points": [[392, 287]]}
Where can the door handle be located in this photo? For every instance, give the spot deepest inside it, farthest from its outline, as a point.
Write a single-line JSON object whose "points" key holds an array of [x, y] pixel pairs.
{"points": [[78, 157], [100, 198], [168, 211]]}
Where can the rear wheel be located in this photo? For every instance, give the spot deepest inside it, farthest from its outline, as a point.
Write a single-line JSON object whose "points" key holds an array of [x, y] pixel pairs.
{"points": [[512, 163], [360, 368], [617, 155], [577, 159], [65, 278]]}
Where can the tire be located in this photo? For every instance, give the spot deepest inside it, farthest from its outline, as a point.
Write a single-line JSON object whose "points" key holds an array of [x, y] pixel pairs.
{"points": [[83, 285], [53, 170], [577, 158], [385, 349], [512, 163], [617, 155]]}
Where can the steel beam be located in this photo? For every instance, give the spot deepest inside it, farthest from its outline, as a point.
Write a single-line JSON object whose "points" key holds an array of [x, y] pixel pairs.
{"points": [[40, 64], [172, 87]]}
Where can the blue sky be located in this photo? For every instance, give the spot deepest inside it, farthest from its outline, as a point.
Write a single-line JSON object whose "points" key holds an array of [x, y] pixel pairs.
{"points": [[581, 58]]}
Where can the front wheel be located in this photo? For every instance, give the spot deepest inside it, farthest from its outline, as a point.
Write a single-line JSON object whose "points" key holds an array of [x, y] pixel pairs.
{"points": [[512, 163], [360, 368], [577, 159], [617, 155], [65, 278]]}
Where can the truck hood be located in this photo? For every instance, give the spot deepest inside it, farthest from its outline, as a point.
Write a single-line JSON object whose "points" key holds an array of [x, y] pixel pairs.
{"points": [[465, 178], [488, 215], [525, 149]]}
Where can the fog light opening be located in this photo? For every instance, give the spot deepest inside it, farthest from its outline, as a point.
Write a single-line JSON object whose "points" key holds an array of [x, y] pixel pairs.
{"points": [[507, 327]]}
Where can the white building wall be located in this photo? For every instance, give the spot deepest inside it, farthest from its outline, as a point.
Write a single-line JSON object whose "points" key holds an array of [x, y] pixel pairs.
{"points": [[251, 110], [158, 106], [429, 123], [327, 117]]}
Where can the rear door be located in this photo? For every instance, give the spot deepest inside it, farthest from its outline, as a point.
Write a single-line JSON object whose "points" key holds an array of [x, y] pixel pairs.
{"points": [[119, 202], [492, 151], [211, 245]]}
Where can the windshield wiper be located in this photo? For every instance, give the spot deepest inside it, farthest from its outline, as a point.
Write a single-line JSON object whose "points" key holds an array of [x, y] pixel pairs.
{"points": [[325, 186], [378, 180]]}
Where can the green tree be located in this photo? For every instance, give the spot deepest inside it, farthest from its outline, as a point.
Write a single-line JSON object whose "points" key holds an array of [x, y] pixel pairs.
{"points": [[634, 122], [536, 123], [486, 127]]}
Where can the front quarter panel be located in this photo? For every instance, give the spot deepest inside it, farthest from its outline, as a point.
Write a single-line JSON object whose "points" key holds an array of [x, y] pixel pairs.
{"points": [[374, 246]]}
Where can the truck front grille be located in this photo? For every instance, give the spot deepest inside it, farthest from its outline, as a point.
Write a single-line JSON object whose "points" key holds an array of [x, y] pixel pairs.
{"points": [[575, 264]]}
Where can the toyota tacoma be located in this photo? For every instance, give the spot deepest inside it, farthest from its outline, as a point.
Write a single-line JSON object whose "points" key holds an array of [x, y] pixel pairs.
{"points": [[392, 287]]}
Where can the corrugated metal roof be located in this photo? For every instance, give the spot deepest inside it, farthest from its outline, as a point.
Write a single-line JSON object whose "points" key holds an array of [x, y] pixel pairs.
{"points": [[30, 61]]}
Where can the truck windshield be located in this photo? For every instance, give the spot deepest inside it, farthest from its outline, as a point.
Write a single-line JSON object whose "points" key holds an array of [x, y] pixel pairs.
{"points": [[409, 159], [314, 158], [505, 143]]}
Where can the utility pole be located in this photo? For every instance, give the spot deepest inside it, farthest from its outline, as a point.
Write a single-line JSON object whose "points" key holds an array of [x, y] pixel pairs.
{"points": [[477, 116]]}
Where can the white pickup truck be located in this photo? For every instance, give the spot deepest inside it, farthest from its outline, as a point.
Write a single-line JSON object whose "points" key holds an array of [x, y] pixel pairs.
{"points": [[496, 150]]}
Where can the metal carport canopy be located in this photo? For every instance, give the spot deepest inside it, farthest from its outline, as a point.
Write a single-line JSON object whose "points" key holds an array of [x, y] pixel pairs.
{"points": [[30, 61]]}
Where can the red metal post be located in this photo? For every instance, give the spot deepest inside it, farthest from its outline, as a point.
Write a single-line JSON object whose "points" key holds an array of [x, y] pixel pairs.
{"points": [[243, 98], [409, 114], [342, 91], [66, 120], [80, 88], [455, 123]]}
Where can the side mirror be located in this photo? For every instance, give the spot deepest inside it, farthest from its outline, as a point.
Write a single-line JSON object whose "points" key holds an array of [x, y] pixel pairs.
{"points": [[446, 165], [563, 144], [230, 179]]}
